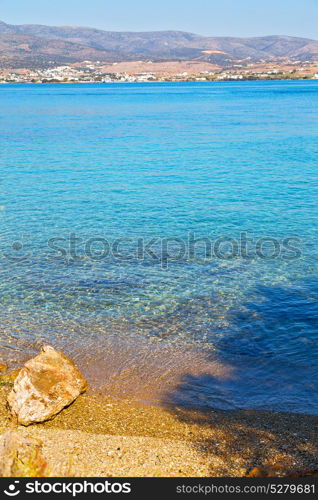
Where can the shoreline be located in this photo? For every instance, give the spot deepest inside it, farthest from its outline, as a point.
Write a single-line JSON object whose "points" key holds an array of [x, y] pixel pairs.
{"points": [[189, 334], [230, 80], [116, 437]]}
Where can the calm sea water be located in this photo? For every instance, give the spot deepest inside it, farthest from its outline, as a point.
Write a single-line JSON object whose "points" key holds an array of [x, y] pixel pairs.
{"points": [[113, 202]]}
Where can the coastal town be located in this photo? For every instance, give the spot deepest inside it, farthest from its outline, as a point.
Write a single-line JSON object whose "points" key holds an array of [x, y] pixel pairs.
{"points": [[171, 71]]}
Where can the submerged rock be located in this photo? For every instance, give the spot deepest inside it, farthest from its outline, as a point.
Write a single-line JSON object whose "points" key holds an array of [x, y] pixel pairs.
{"points": [[44, 386]]}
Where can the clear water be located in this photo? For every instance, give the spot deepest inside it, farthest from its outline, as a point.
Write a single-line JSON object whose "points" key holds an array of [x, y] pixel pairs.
{"points": [[142, 161]]}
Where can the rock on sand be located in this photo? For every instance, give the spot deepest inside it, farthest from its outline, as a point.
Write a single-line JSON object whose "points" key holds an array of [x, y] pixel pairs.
{"points": [[44, 386]]}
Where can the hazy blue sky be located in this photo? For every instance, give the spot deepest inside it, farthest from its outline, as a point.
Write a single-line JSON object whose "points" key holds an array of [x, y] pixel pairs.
{"points": [[208, 17]]}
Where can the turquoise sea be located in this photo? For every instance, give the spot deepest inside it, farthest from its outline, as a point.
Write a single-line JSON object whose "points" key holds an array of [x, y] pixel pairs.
{"points": [[165, 236]]}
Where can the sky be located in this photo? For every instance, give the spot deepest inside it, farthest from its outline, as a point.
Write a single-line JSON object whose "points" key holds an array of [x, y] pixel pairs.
{"points": [[206, 17]]}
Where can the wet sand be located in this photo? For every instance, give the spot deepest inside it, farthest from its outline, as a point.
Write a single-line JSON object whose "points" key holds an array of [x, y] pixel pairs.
{"points": [[116, 437]]}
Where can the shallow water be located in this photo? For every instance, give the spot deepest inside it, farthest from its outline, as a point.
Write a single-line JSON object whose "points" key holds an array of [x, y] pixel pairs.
{"points": [[105, 190]]}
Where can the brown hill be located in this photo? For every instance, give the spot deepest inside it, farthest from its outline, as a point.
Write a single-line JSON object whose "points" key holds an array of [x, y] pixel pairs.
{"points": [[40, 45]]}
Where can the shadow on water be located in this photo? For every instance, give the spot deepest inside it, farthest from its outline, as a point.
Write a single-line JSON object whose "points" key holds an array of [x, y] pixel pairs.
{"points": [[272, 349], [255, 414]]}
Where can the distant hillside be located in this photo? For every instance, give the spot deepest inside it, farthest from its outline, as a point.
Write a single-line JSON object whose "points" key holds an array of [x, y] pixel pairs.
{"points": [[37, 45], [30, 51]]}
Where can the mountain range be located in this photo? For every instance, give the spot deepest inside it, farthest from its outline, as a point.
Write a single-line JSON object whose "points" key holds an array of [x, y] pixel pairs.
{"points": [[31, 45]]}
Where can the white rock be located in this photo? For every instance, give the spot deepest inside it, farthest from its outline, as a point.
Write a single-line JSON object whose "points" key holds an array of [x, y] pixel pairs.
{"points": [[44, 386]]}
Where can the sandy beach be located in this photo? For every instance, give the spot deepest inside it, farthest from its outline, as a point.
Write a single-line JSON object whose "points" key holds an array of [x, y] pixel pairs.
{"points": [[105, 437]]}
